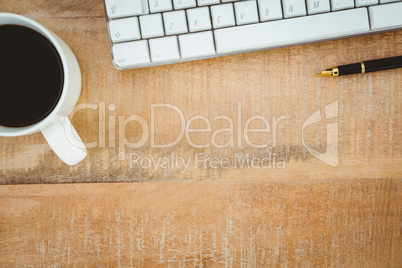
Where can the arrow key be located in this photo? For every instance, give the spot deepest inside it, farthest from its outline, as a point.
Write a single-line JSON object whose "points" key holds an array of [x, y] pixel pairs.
{"points": [[124, 8], [124, 29]]}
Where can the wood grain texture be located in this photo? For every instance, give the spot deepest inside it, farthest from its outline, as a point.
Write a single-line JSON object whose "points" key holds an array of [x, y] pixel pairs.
{"points": [[321, 223], [272, 83], [304, 213]]}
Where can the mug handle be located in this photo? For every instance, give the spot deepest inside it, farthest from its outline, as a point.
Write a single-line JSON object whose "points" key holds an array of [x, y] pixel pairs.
{"points": [[64, 141]]}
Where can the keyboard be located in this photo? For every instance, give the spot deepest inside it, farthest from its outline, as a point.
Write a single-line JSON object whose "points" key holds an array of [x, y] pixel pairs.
{"points": [[145, 33]]}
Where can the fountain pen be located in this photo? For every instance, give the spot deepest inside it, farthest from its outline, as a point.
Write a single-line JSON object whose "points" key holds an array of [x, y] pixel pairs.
{"points": [[364, 67]]}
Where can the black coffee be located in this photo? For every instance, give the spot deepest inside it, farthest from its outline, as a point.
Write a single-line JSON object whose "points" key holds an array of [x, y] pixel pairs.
{"points": [[31, 76]]}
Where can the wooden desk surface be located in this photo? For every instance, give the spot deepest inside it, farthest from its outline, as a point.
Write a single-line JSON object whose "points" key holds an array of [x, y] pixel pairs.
{"points": [[296, 211]]}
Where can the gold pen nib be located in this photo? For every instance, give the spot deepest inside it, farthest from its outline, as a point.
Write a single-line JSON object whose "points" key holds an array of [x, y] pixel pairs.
{"points": [[327, 72]]}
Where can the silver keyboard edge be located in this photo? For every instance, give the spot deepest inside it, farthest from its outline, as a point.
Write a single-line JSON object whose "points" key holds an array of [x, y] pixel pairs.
{"points": [[139, 66]]}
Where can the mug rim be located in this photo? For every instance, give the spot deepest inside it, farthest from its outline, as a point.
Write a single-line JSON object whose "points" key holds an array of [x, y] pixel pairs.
{"points": [[20, 131]]}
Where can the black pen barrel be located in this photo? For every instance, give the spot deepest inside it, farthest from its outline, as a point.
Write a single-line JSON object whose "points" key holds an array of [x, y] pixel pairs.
{"points": [[354, 68], [383, 64], [364, 67]]}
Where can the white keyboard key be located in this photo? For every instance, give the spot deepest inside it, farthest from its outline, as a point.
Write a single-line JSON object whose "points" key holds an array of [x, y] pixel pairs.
{"points": [[292, 31], [163, 49], [196, 45], [270, 9], [222, 15], [388, 1], [342, 4], [160, 5], [318, 6], [386, 16], [124, 29], [175, 22], [228, 1], [131, 53], [179, 4], [198, 19], [207, 2], [125, 8], [294, 8], [151, 25], [246, 12], [361, 3]]}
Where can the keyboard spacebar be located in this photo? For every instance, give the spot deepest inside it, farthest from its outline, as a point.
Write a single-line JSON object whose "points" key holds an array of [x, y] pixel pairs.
{"points": [[292, 31]]}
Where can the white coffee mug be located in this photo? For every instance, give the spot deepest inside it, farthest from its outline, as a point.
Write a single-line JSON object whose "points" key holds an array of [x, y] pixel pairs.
{"points": [[56, 127]]}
